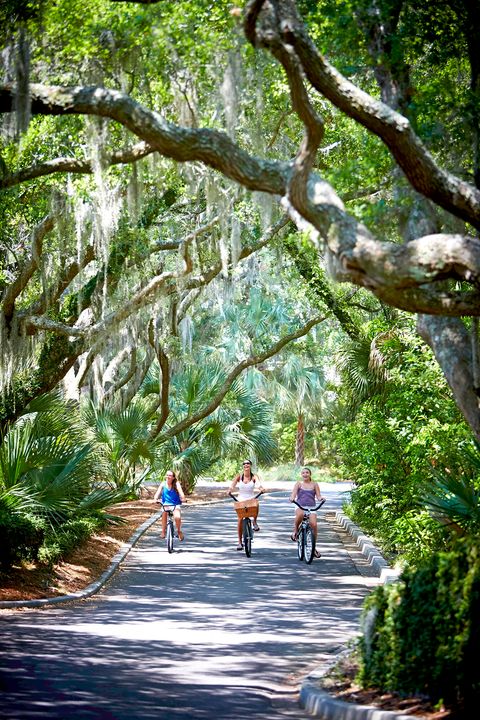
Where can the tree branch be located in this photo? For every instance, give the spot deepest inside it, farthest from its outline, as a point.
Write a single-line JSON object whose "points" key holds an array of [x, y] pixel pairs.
{"points": [[19, 284], [72, 165], [129, 392], [448, 191], [211, 147], [353, 253], [55, 291], [122, 380], [165, 388], [237, 370]]}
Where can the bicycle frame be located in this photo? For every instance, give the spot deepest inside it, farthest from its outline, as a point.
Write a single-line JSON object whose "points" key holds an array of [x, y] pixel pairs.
{"points": [[247, 529], [305, 536], [170, 534]]}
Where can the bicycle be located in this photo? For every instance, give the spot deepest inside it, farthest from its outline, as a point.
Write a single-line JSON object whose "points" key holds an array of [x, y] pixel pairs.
{"points": [[245, 510], [305, 536], [170, 532]]}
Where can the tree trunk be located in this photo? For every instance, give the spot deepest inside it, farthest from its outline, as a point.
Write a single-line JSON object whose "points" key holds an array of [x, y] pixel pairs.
{"points": [[300, 442], [451, 345]]}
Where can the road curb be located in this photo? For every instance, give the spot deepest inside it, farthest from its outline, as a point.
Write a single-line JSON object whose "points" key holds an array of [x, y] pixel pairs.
{"points": [[320, 704], [368, 549], [313, 698]]}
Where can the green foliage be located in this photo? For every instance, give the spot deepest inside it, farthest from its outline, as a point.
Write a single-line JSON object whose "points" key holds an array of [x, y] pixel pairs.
{"points": [[240, 426], [453, 494], [285, 434], [225, 470], [393, 443], [54, 481], [421, 635], [21, 536], [124, 446], [69, 535]]}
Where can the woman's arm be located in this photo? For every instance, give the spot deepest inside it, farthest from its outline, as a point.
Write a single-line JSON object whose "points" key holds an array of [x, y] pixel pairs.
{"points": [[293, 496], [234, 483], [159, 492], [258, 484], [180, 492], [318, 494]]}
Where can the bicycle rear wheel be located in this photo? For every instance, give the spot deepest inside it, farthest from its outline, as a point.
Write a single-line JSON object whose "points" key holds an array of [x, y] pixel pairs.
{"points": [[309, 545], [300, 542], [247, 536], [170, 536]]}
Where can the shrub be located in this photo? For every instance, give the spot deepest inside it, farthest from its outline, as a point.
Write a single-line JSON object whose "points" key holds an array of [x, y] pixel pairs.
{"points": [[20, 538], [64, 539], [421, 634]]}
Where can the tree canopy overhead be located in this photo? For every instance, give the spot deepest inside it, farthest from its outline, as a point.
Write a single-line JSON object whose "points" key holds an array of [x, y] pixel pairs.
{"points": [[359, 119]]}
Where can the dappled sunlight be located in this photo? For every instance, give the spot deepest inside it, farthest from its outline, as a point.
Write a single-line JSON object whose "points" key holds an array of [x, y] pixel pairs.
{"points": [[205, 619]]}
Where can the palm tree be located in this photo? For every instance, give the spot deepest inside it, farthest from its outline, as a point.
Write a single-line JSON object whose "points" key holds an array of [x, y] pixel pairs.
{"points": [[453, 498], [361, 365], [49, 467], [124, 442], [241, 424], [297, 388]]}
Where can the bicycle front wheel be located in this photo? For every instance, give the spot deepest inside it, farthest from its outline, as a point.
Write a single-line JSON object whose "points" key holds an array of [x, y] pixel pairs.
{"points": [[300, 542], [247, 536], [170, 537], [309, 545]]}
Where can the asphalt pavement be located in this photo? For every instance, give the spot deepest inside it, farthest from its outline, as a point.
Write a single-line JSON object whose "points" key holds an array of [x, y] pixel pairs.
{"points": [[204, 633]]}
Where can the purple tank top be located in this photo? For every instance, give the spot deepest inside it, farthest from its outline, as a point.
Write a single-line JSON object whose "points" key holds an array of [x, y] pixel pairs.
{"points": [[306, 498]]}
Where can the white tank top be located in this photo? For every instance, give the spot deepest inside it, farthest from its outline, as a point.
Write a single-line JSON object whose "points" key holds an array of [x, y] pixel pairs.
{"points": [[246, 490]]}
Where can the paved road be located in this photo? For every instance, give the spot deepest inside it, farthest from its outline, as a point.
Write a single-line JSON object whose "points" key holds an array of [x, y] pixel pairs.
{"points": [[201, 634]]}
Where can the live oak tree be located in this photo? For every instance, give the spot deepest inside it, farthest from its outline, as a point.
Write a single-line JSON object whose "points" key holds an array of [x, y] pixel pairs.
{"points": [[430, 267]]}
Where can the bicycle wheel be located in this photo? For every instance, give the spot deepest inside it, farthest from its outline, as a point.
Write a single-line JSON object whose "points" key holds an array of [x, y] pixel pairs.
{"points": [[309, 545], [170, 536], [300, 542], [247, 536]]}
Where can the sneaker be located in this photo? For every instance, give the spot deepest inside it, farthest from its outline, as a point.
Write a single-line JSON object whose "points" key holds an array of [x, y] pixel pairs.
{"points": [[239, 546], [181, 536], [255, 526]]}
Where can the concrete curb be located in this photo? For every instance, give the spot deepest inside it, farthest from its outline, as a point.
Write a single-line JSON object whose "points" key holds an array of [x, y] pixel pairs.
{"points": [[367, 548], [319, 702], [93, 587]]}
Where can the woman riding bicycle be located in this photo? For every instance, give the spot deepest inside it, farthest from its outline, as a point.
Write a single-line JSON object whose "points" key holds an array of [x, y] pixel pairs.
{"points": [[244, 484], [170, 492], [307, 493]]}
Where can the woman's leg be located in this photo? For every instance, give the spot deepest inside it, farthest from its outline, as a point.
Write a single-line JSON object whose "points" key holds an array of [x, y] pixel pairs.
{"points": [[239, 528], [296, 523], [177, 516], [313, 525], [254, 518], [164, 525]]}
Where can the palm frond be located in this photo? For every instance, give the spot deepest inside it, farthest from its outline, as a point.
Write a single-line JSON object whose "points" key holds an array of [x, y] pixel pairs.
{"points": [[455, 500]]}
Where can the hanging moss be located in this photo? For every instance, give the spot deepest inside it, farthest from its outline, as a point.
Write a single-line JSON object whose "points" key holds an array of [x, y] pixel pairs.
{"points": [[57, 355], [318, 287]]}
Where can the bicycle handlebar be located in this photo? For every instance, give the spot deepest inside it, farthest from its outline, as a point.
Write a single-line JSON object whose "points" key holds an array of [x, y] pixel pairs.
{"points": [[312, 509], [254, 497]]}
